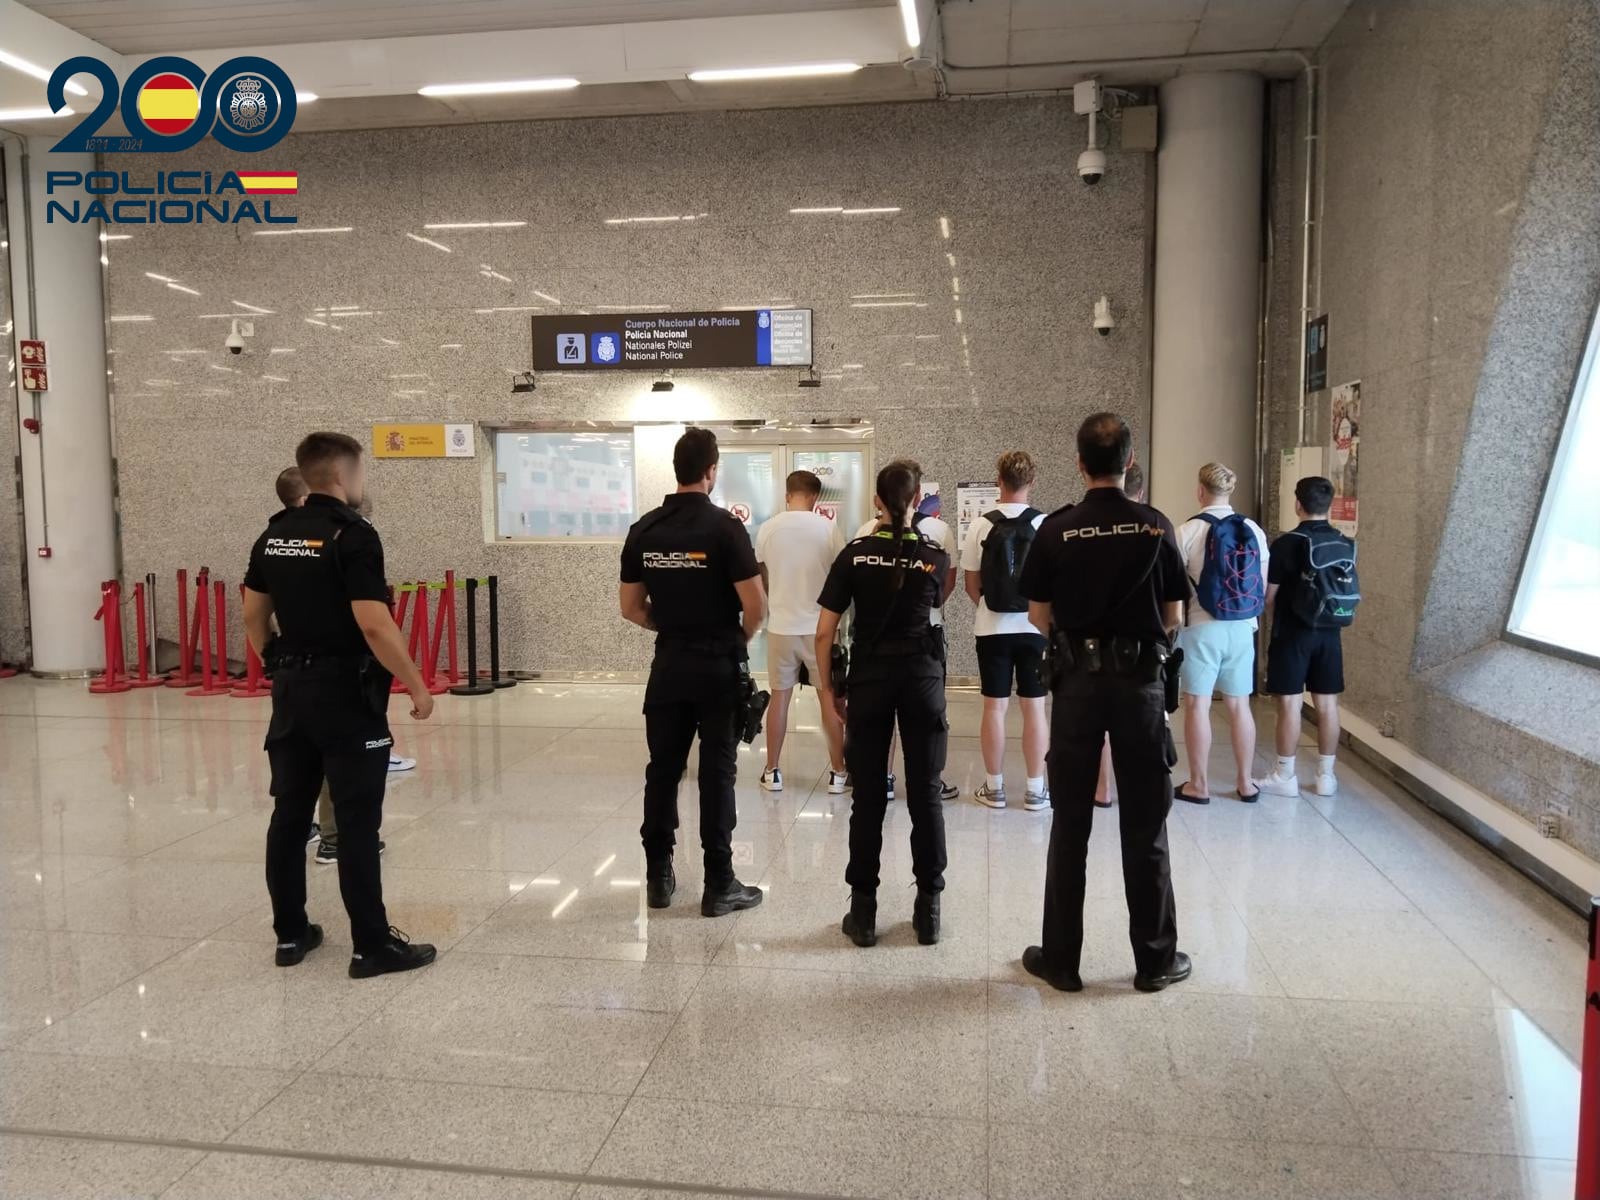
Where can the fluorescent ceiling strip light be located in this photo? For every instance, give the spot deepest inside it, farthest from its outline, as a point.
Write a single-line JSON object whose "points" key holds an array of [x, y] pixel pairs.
{"points": [[112, 237], [178, 287], [913, 27], [796, 71], [322, 229], [824, 208], [430, 242], [305, 97], [266, 312], [162, 278], [545, 296], [141, 317], [475, 225], [882, 208], [890, 304], [559, 83], [33, 114], [28, 68], [276, 378], [884, 295]]}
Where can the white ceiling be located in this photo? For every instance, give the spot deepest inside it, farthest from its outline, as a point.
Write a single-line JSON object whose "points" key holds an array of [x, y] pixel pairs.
{"points": [[366, 58]]}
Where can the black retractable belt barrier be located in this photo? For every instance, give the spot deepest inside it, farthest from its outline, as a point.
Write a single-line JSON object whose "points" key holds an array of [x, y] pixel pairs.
{"points": [[495, 681], [473, 685]]}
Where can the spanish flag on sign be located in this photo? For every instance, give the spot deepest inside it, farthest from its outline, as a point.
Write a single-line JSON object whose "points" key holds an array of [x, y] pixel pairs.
{"points": [[168, 104], [270, 183]]}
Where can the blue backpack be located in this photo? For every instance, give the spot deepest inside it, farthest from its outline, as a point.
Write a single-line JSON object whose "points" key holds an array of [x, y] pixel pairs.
{"points": [[1232, 586]]}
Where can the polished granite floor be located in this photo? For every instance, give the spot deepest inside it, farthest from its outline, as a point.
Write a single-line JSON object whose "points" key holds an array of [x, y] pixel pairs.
{"points": [[1379, 1008]]}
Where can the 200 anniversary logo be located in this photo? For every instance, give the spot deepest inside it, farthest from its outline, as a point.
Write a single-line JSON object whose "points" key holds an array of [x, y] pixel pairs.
{"points": [[170, 104]]}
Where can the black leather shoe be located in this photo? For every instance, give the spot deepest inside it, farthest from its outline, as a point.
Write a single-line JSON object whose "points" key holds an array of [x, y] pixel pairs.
{"points": [[1063, 981], [861, 922], [731, 897], [925, 917], [396, 954], [291, 953], [660, 883], [1179, 971]]}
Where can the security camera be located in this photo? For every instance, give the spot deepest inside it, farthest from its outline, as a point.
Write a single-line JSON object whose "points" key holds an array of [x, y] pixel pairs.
{"points": [[1092, 166], [235, 339], [1104, 323]]}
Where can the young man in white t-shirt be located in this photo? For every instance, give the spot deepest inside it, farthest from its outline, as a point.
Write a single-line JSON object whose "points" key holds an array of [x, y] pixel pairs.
{"points": [[1218, 655], [1010, 649], [938, 531], [795, 550]]}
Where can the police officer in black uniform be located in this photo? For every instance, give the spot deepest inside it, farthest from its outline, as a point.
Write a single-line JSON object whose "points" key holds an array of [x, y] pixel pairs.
{"points": [[689, 573], [1106, 582], [319, 569], [895, 577]]}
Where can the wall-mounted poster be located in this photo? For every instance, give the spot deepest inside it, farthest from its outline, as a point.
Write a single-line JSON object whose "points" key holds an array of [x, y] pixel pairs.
{"points": [[972, 501], [1344, 455]]}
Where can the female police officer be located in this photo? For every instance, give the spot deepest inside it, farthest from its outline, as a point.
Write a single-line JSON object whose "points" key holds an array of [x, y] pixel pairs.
{"points": [[894, 576]]}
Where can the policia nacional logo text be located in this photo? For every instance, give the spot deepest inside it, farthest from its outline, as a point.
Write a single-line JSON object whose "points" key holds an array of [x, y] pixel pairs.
{"points": [[293, 548], [675, 560], [1122, 529]]}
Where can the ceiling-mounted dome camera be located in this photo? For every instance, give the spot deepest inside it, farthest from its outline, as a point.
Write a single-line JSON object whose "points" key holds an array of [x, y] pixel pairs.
{"points": [[1092, 166]]}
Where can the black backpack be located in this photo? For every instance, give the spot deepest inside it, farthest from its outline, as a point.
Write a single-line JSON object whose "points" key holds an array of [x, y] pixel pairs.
{"points": [[1004, 551], [1327, 589]]}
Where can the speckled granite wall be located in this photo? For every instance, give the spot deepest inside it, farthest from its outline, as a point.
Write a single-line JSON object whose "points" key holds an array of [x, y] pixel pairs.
{"points": [[1460, 270], [201, 435], [13, 600]]}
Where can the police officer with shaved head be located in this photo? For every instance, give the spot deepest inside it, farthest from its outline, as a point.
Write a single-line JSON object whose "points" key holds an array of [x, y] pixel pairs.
{"points": [[689, 574], [1106, 583]]}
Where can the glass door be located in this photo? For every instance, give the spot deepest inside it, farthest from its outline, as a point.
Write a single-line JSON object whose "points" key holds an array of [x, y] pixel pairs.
{"points": [[846, 490]]}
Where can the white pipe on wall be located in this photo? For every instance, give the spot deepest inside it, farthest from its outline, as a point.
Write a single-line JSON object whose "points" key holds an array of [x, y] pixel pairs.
{"points": [[1207, 285], [66, 467]]}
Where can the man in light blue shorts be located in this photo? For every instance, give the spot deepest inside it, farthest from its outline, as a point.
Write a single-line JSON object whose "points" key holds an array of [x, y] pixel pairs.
{"points": [[1226, 556]]}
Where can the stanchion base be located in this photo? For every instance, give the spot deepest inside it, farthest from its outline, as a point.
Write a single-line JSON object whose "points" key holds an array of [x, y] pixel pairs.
{"points": [[101, 687], [6, 672], [147, 683], [248, 694], [502, 683], [471, 689], [216, 689], [397, 688], [178, 681]]}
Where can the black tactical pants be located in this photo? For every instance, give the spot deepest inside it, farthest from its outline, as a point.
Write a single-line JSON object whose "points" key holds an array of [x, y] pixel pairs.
{"points": [[328, 723], [878, 697], [689, 694], [1087, 707]]}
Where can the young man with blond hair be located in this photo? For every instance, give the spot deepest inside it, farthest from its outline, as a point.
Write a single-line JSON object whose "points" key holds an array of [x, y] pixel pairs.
{"points": [[1225, 554], [1010, 649]]}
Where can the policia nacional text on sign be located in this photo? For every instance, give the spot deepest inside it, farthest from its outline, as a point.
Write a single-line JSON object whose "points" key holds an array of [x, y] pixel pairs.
{"points": [[761, 337]]}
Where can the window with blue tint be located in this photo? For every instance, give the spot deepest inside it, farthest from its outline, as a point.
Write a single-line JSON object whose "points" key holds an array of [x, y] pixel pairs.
{"points": [[1558, 598], [556, 485]]}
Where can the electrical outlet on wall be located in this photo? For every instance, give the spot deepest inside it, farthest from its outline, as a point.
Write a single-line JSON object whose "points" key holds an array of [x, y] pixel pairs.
{"points": [[1549, 825]]}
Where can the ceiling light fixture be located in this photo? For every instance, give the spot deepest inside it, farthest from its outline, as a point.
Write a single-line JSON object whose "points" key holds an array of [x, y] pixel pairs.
{"points": [[562, 83], [882, 208], [430, 242], [797, 71], [33, 114], [305, 97], [38, 72], [824, 208], [475, 225], [302, 229]]}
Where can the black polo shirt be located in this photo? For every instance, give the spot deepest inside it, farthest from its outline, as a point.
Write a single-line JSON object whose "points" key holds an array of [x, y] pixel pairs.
{"points": [[1087, 562], [864, 574], [1289, 556], [688, 554], [313, 561]]}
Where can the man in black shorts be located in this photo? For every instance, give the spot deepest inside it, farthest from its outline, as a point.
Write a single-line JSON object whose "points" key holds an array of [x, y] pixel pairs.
{"points": [[1302, 658], [1010, 649]]}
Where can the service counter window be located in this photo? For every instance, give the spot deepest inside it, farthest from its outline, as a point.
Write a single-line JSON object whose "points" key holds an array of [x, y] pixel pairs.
{"points": [[558, 485], [1559, 595]]}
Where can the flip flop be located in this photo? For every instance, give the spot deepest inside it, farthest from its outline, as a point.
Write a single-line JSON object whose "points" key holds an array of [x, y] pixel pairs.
{"points": [[1179, 794], [1251, 798], [1103, 804]]}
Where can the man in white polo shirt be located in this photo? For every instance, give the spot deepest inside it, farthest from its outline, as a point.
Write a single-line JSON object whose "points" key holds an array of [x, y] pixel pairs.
{"points": [[939, 532], [795, 550], [1226, 556], [1010, 649]]}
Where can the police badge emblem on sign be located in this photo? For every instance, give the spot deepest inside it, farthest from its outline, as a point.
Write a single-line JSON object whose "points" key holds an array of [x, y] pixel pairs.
{"points": [[246, 105]]}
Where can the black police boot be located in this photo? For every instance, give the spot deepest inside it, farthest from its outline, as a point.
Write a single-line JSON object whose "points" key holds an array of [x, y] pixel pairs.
{"points": [[861, 922], [925, 917], [660, 881], [395, 954], [1179, 971], [729, 897], [1034, 964], [291, 953]]}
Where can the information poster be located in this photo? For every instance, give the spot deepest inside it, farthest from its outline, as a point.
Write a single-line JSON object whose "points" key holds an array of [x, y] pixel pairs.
{"points": [[1344, 455], [972, 501], [423, 441]]}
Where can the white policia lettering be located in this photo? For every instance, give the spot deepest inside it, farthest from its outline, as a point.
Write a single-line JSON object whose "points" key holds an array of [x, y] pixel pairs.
{"points": [[877, 560], [1121, 530], [293, 548], [675, 560], [380, 743]]}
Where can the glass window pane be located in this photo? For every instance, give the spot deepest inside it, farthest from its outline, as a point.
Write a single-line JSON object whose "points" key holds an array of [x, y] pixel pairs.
{"points": [[1560, 590], [567, 484]]}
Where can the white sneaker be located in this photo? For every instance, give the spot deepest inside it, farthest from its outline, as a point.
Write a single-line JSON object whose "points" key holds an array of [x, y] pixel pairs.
{"points": [[837, 782], [397, 764], [992, 797], [1327, 783], [1279, 785], [772, 780], [1035, 801]]}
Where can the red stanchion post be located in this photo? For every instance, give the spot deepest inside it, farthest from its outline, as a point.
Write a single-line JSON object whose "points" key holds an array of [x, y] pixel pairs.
{"points": [[183, 676], [144, 679], [110, 625], [1589, 1077], [253, 686], [221, 602], [397, 688], [420, 642], [212, 681], [454, 675]]}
